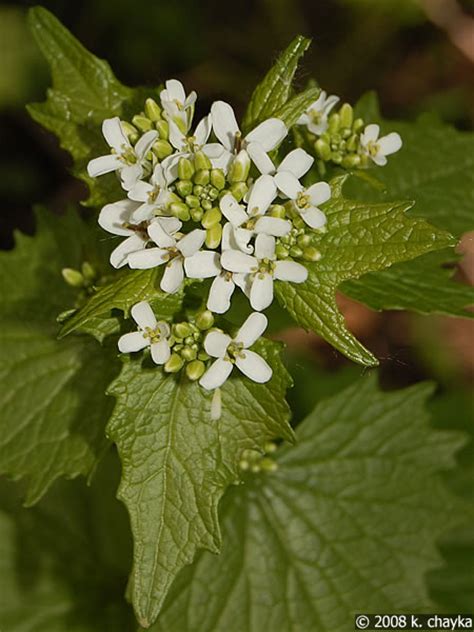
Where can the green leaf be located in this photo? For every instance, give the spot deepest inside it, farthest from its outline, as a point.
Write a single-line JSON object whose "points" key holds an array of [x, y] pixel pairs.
{"points": [[424, 285], [63, 568], [177, 463], [51, 393], [84, 93], [122, 293], [274, 91], [360, 238], [296, 106], [347, 523]]}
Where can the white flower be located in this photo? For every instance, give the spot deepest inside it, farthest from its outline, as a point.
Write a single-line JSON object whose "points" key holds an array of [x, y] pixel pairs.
{"points": [[171, 251], [176, 105], [246, 222], [151, 333], [263, 269], [378, 148], [316, 116], [124, 158], [306, 201], [153, 194], [257, 143], [119, 219], [230, 351]]}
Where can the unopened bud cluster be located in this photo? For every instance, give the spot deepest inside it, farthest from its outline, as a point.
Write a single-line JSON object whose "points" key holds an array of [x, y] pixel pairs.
{"points": [[256, 462]]}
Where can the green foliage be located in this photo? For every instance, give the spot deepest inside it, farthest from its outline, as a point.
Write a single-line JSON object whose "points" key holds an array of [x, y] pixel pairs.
{"points": [[274, 91], [347, 523], [177, 462], [290, 112], [360, 238], [51, 393]]}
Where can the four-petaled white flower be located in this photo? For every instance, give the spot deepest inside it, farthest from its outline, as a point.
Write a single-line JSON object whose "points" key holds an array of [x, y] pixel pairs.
{"points": [[125, 158], [173, 249], [230, 351], [316, 116], [378, 148], [263, 269], [265, 137], [119, 219], [305, 201], [151, 333], [153, 194], [176, 105], [246, 222]]}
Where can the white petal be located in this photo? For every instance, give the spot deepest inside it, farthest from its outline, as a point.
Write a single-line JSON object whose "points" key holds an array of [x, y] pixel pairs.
{"points": [[146, 259], [215, 150], [254, 366], [237, 261], [272, 226], [319, 193], [303, 120], [290, 271], [114, 134], [158, 177], [243, 281], [143, 315], [379, 159], [145, 143], [390, 144], [170, 224], [216, 343], [232, 210], [261, 292], [288, 184], [319, 128], [129, 175], [203, 130], [370, 134], [175, 91], [190, 99], [216, 405], [313, 217], [140, 191], [264, 247], [298, 162], [160, 352], [220, 161], [216, 374], [113, 217], [190, 243], [103, 164], [260, 158], [134, 341], [173, 276], [202, 265], [143, 213], [242, 237], [176, 136], [330, 102], [268, 134], [261, 195], [252, 329], [170, 166], [224, 123], [164, 328], [220, 294], [160, 236], [131, 245]]}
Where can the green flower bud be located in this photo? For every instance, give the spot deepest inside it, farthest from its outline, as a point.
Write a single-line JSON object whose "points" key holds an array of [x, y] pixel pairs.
{"points": [[322, 149], [73, 277], [197, 214], [205, 320], [185, 169], [193, 201], [142, 122], [174, 364], [238, 190], [358, 125], [213, 194], [334, 123], [295, 251], [130, 131], [201, 161], [218, 179], [281, 252], [347, 115], [88, 271], [304, 241], [214, 236], [364, 160], [352, 143], [189, 340], [63, 316], [351, 161], [202, 177], [311, 254], [198, 189], [184, 188], [240, 167], [152, 110], [255, 468], [298, 222], [244, 465], [270, 447], [163, 129], [195, 370], [206, 205], [211, 217], [182, 330], [202, 355], [180, 210], [188, 353], [336, 157], [277, 210], [162, 149], [268, 465], [346, 132]]}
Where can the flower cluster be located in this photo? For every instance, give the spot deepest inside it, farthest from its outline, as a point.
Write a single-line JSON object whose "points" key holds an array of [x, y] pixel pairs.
{"points": [[210, 203]]}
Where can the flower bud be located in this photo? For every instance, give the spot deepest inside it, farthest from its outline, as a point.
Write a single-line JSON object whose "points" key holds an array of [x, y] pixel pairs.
{"points": [[351, 161], [197, 214], [180, 210], [195, 370], [182, 330], [188, 353], [281, 252], [162, 149], [358, 125], [336, 157], [88, 271], [202, 177], [322, 149], [347, 115], [211, 217], [334, 123], [214, 236], [268, 465], [163, 129], [202, 355], [218, 179], [352, 143], [73, 277], [240, 167], [205, 320], [270, 447], [193, 201], [184, 188], [304, 241], [311, 254], [198, 189], [201, 161], [238, 190], [213, 194], [206, 205], [152, 110], [142, 123], [174, 363], [277, 210], [295, 251], [130, 131], [185, 169]]}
